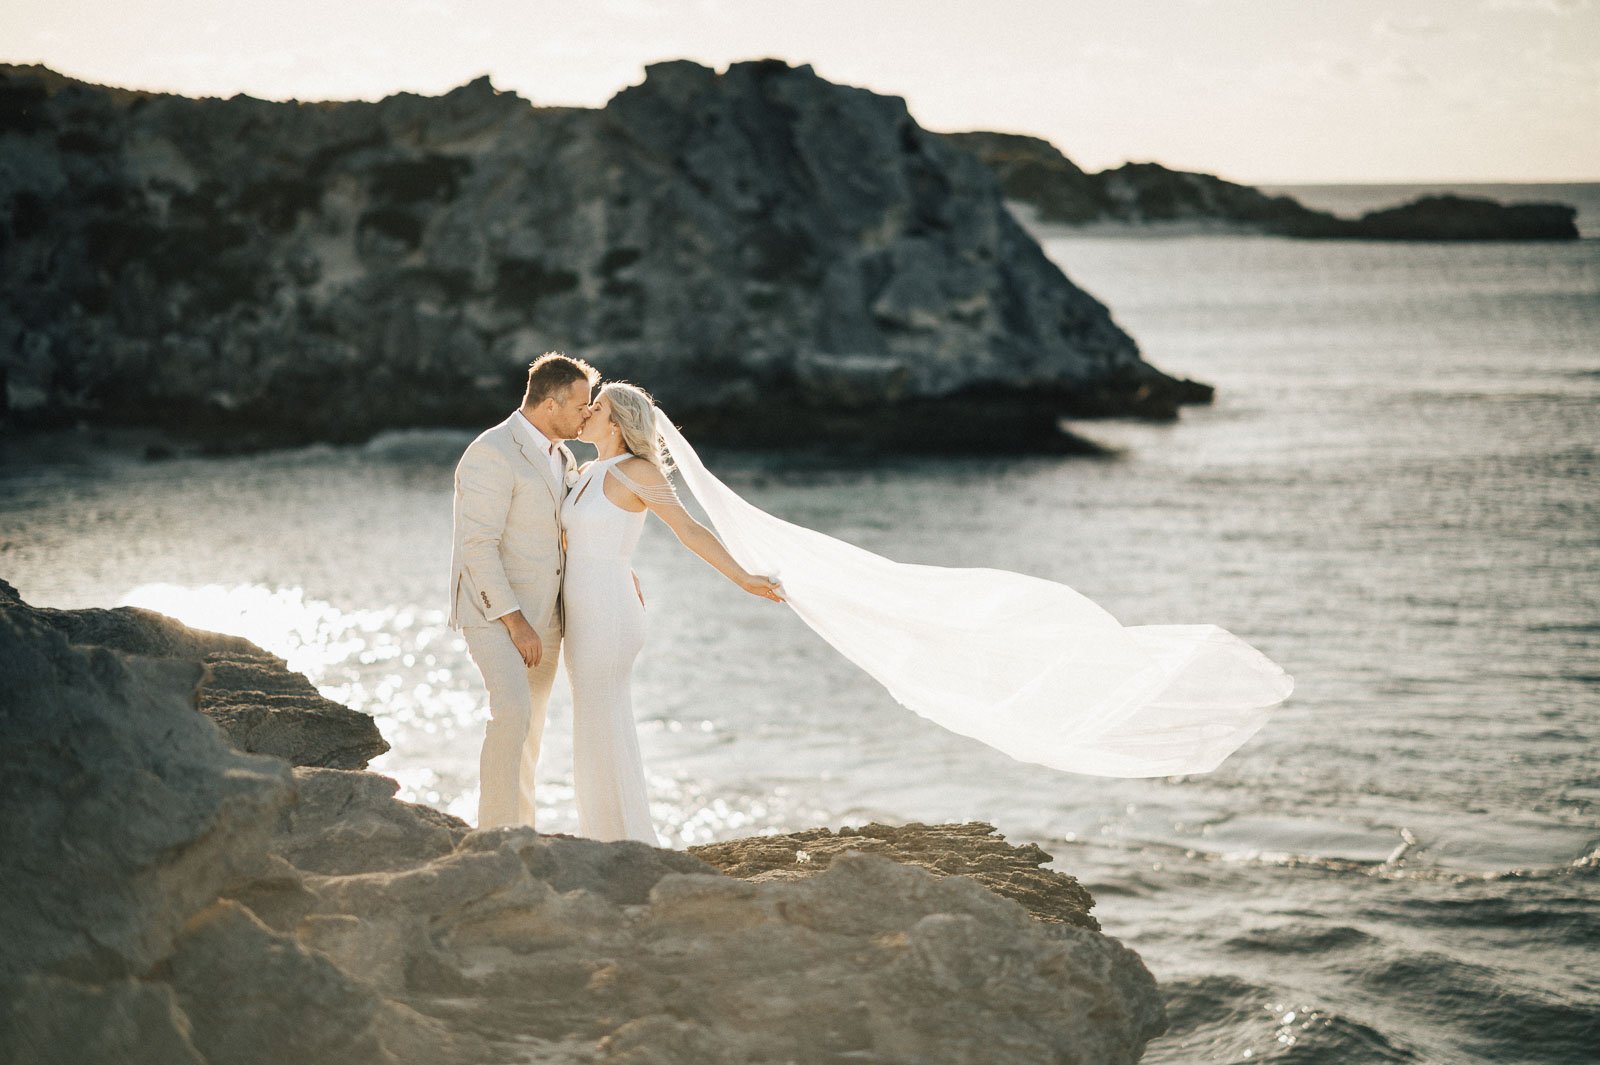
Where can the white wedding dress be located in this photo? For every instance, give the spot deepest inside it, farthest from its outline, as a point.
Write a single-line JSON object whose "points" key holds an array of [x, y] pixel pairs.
{"points": [[1026, 665], [605, 630]]}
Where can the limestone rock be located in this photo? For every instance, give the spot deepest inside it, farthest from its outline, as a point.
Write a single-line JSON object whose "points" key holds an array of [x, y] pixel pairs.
{"points": [[623, 872], [169, 898], [263, 706], [974, 850], [255, 995], [868, 959], [47, 1020], [275, 892], [349, 822], [648, 955], [750, 245], [133, 630], [122, 811]]}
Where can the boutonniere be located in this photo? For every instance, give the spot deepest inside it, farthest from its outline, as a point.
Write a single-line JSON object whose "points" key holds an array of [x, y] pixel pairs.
{"points": [[571, 468]]}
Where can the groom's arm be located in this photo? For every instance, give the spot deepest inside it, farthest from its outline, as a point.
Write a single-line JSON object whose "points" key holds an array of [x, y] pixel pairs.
{"points": [[483, 487]]}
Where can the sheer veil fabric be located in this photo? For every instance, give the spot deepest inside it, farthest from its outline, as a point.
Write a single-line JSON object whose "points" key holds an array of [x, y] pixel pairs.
{"points": [[1025, 665]]}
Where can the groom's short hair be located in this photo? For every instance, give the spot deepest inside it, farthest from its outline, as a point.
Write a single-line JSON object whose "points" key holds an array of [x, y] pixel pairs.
{"points": [[554, 371]]}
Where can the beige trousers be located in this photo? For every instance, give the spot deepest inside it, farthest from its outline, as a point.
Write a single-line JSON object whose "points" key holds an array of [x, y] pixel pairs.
{"points": [[518, 699]]}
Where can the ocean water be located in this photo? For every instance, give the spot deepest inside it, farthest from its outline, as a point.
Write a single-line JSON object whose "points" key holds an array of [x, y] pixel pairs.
{"points": [[1394, 496]]}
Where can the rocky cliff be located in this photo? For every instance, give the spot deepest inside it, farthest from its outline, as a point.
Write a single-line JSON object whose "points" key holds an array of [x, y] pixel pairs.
{"points": [[171, 898], [1034, 172], [780, 259]]}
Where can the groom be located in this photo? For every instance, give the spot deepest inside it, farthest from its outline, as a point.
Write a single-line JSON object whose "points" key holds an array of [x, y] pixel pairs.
{"points": [[505, 573]]}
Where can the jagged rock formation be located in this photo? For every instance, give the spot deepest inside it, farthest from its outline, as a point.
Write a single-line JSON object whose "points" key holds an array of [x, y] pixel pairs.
{"points": [[1033, 171], [170, 899], [778, 258], [124, 810], [261, 705], [974, 850]]}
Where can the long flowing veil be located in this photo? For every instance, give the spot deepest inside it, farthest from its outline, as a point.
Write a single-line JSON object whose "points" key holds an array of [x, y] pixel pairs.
{"points": [[1026, 665]]}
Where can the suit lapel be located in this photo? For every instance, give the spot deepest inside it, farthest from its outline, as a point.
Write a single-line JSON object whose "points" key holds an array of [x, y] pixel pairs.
{"points": [[569, 462], [539, 462]]}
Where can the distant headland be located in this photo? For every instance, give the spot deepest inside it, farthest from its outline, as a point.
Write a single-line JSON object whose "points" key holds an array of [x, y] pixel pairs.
{"points": [[1034, 172]]}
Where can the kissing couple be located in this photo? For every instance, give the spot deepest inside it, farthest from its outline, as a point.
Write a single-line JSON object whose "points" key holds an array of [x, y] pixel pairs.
{"points": [[541, 569]]}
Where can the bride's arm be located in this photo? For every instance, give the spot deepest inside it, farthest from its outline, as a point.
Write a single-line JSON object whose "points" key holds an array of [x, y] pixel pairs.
{"points": [[646, 484]]}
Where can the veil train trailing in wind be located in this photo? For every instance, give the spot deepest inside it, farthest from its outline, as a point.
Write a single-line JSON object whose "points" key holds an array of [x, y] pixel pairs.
{"points": [[1025, 665]]}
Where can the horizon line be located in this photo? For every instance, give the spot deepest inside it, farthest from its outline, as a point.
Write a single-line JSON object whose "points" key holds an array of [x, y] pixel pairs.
{"points": [[1252, 182]]}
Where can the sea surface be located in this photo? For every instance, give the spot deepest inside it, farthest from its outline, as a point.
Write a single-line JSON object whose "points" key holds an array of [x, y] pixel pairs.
{"points": [[1396, 496]]}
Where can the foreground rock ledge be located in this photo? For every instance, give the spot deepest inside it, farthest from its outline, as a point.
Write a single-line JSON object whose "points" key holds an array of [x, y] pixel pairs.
{"points": [[171, 899], [973, 850], [261, 705]]}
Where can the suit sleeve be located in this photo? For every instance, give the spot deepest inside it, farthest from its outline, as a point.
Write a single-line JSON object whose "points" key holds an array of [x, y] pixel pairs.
{"points": [[483, 491]]}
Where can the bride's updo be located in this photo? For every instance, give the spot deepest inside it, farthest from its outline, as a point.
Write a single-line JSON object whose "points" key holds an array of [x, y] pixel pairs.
{"points": [[634, 413]]}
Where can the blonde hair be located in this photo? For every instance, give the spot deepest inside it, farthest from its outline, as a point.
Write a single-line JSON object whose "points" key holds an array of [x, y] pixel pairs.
{"points": [[634, 414]]}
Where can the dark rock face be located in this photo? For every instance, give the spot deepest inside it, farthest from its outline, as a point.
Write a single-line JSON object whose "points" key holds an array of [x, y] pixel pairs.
{"points": [[1034, 172], [261, 705], [169, 899], [1469, 218], [774, 256], [122, 811]]}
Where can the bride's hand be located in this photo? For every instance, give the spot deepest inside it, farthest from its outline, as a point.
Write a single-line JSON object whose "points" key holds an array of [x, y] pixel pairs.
{"points": [[765, 587]]}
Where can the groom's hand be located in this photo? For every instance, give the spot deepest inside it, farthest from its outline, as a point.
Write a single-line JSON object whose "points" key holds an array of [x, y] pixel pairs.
{"points": [[524, 638]]}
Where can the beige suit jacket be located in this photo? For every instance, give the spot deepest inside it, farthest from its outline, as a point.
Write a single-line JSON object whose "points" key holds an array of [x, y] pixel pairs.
{"points": [[508, 552]]}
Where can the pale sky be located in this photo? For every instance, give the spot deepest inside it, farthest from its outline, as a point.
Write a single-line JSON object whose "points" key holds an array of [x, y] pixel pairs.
{"points": [[1260, 91]]}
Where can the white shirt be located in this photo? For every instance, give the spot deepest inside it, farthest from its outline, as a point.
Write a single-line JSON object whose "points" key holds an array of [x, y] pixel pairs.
{"points": [[558, 465]]}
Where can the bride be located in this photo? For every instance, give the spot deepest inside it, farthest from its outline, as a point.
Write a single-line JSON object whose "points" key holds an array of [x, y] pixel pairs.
{"points": [[603, 515], [1025, 665]]}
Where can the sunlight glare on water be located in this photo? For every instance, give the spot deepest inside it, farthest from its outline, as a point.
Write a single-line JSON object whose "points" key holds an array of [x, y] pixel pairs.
{"points": [[375, 660]]}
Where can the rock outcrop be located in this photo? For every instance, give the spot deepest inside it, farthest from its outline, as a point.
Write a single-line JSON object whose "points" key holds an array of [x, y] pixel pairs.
{"points": [[973, 850], [1465, 218], [778, 258], [124, 810], [1034, 172], [170, 899], [261, 705]]}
